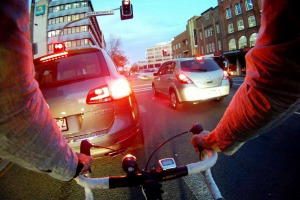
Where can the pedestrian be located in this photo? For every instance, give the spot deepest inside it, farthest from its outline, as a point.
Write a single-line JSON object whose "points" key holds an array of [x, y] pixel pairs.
{"points": [[271, 90], [29, 136]]}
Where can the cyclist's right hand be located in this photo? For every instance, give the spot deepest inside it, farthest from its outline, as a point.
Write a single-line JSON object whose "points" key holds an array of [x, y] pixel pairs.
{"points": [[204, 140], [86, 161]]}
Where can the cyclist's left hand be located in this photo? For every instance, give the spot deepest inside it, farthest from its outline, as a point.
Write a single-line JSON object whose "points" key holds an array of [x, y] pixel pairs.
{"points": [[86, 161]]}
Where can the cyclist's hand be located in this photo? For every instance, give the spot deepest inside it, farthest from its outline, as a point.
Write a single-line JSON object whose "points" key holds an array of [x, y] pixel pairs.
{"points": [[200, 140], [86, 161]]}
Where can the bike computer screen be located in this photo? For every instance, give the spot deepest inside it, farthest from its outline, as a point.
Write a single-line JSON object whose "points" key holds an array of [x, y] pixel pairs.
{"points": [[167, 163]]}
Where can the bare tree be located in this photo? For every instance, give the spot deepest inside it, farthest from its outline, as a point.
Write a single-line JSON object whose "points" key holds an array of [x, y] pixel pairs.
{"points": [[114, 50]]}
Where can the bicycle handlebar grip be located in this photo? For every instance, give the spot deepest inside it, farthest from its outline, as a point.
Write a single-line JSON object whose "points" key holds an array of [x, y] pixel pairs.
{"points": [[196, 129]]}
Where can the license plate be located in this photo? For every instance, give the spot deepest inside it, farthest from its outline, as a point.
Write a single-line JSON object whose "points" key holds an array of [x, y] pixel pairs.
{"points": [[62, 124], [213, 93]]}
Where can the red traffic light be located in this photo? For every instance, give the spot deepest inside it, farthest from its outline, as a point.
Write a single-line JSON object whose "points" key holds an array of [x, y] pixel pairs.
{"points": [[126, 10], [59, 47]]}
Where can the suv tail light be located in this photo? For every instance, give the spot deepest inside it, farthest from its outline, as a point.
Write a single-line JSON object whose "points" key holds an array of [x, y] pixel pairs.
{"points": [[119, 88], [225, 75], [182, 78]]}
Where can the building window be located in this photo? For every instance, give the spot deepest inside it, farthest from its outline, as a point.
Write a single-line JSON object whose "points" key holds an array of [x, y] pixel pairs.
{"points": [[242, 42], [68, 44], [230, 28], [210, 47], [238, 9], [50, 47], [213, 47], [251, 21], [201, 36], [76, 5], [68, 6], [228, 13], [202, 50], [240, 25], [56, 9], [217, 28], [232, 44], [252, 39], [84, 28], [220, 45], [248, 5], [84, 4]]}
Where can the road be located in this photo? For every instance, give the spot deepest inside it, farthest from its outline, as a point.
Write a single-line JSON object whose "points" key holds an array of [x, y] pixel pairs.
{"points": [[264, 168]]}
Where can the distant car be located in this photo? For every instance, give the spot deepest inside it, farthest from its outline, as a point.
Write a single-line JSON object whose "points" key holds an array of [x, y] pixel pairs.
{"points": [[89, 99], [190, 80], [147, 74]]}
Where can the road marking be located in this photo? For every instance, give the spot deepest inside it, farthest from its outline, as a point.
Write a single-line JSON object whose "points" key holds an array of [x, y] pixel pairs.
{"points": [[198, 186], [142, 109]]}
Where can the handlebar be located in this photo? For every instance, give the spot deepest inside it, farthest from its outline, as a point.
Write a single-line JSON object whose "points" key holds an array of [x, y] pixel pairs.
{"points": [[149, 180], [157, 175]]}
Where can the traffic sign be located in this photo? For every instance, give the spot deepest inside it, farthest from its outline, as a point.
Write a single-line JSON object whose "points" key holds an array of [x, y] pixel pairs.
{"points": [[100, 13]]}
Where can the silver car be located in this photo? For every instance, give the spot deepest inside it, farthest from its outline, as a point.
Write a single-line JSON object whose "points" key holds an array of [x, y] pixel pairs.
{"points": [[90, 100], [191, 80]]}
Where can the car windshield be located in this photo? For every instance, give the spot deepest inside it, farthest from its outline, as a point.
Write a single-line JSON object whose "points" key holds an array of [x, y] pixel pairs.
{"points": [[70, 69], [205, 65]]}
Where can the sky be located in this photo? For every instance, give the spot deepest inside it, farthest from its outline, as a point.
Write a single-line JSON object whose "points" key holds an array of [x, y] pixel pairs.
{"points": [[154, 21]]}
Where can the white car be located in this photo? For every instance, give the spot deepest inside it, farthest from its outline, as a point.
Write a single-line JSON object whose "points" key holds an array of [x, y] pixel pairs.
{"points": [[191, 80], [147, 74]]}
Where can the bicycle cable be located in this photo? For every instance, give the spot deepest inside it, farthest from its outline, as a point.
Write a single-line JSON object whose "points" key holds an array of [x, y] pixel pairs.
{"points": [[162, 145]]}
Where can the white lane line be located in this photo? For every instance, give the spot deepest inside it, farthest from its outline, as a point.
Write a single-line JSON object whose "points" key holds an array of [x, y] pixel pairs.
{"points": [[142, 109]]}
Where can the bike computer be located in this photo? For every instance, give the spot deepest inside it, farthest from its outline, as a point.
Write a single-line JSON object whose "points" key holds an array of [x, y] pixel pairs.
{"points": [[167, 163]]}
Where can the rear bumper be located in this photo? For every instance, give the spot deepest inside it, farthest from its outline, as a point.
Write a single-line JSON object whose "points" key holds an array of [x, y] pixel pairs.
{"points": [[113, 141], [195, 94], [122, 132]]}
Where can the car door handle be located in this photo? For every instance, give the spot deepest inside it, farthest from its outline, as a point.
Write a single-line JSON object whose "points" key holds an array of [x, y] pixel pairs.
{"points": [[210, 81]]}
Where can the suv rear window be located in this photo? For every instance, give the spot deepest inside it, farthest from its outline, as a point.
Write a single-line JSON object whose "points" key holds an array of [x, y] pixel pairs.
{"points": [[205, 65], [73, 68]]}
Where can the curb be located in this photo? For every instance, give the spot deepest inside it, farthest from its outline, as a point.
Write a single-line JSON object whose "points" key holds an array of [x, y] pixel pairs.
{"points": [[3, 165]]}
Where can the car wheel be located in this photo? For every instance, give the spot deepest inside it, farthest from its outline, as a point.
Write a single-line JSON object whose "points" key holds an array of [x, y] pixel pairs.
{"points": [[154, 92], [174, 101]]}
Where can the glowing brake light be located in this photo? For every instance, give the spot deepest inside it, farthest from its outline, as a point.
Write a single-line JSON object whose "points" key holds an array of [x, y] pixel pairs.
{"points": [[59, 47], [225, 75], [201, 58], [119, 88], [98, 95], [54, 56], [182, 78]]}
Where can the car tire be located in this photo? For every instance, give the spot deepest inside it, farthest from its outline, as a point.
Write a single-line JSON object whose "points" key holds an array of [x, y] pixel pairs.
{"points": [[175, 104], [154, 91]]}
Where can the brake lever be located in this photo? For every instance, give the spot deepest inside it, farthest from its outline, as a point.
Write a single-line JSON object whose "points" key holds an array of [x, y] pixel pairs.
{"points": [[85, 148], [197, 129]]}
